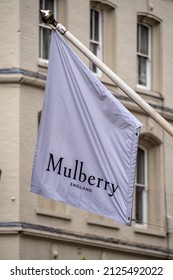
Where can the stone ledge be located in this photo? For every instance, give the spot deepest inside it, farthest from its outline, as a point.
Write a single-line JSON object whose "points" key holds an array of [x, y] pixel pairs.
{"points": [[52, 214], [40, 231]]}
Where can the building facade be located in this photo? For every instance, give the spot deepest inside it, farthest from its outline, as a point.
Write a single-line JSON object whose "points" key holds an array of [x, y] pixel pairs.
{"points": [[135, 39]]}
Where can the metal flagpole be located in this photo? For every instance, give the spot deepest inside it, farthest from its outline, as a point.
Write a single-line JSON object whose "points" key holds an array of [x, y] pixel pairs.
{"points": [[48, 18]]}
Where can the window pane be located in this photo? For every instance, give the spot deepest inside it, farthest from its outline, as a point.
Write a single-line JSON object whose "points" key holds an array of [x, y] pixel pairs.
{"points": [[144, 39], [142, 70], [95, 29], [96, 26], [93, 48], [141, 167], [41, 8], [41, 4], [91, 24], [139, 205], [138, 38], [45, 32], [46, 42], [40, 42], [93, 67], [49, 5]]}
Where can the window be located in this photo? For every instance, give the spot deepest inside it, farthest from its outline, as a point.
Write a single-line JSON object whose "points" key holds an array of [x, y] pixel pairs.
{"points": [[44, 30], [149, 184], [95, 36], [149, 54], [144, 55], [102, 42], [141, 186]]}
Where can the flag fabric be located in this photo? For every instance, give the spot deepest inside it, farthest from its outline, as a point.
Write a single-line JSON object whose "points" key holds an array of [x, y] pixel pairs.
{"points": [[87, 143]]}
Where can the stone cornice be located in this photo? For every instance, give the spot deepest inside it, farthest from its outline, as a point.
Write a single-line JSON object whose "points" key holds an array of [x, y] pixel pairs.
{"points": [[86, 239], [22, 76]]}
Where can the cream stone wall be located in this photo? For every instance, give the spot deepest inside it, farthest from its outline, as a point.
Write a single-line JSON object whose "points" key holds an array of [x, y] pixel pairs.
{"points": [[10, 151], [29, 43], [10, 34]]}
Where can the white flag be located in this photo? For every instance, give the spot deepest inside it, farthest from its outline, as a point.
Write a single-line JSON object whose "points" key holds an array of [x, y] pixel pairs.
{"points": [[87, 144]]}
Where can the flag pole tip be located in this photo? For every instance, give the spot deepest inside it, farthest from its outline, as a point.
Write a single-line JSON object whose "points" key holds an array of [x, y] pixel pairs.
{"points": [[47, 17]]}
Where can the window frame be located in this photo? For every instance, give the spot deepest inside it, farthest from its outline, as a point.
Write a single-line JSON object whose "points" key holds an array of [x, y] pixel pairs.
{"points": [[145, 189], [142, 55], [98, 42], [42, 26]]}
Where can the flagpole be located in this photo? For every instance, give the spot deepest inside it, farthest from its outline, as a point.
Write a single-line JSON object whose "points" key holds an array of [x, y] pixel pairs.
{"points": [[48, 18]]}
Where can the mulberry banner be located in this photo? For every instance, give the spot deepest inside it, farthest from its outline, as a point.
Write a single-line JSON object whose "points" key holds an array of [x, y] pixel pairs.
{"points": [[87, 143]]}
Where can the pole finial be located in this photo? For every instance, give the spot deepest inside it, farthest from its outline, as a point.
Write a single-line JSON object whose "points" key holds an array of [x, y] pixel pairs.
{"points": [[47, 17]]}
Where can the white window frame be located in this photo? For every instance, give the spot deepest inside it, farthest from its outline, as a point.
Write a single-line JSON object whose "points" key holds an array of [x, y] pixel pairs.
{"points": [[43, 26], [147, 56], [96, 42], [145, 188]]}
